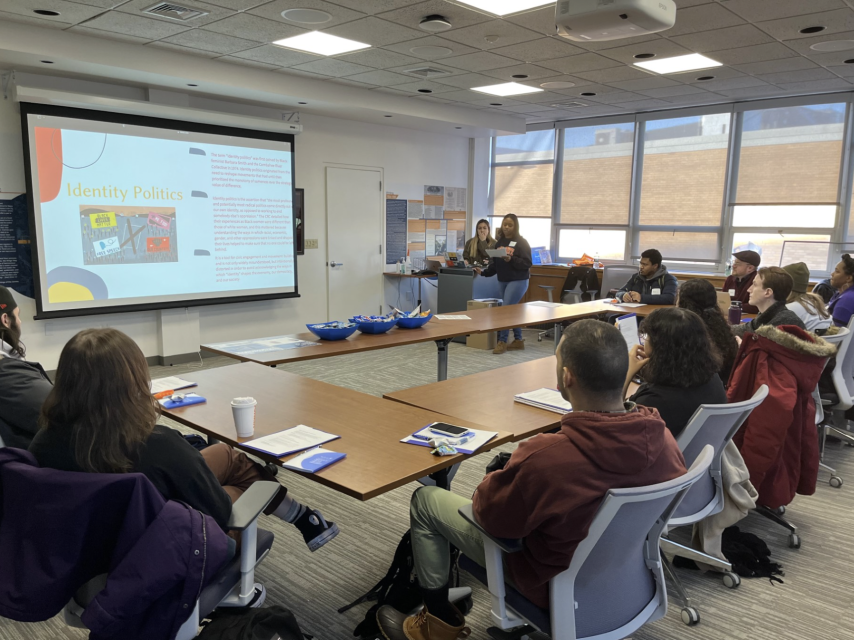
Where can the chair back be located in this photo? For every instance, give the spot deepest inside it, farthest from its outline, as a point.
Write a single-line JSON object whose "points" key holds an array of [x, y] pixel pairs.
{"points": [[615, 276], [715, 425], [836, 339], [615, 582], [843, 372]]}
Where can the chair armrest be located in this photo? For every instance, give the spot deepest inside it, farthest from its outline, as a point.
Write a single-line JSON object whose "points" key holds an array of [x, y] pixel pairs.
{"points": [[250, 505], [507, 545]]}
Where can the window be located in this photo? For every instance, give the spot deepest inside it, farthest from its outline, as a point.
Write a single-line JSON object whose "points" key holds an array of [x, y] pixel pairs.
{"points": [[685, 245], [523, 174], [784, 216], [597, 174], [813, 249], [537, 231], [608, 244]]}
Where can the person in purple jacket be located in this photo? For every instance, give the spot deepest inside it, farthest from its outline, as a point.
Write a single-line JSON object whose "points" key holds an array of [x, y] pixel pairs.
{"points": [[841, 305], [100, 417]]}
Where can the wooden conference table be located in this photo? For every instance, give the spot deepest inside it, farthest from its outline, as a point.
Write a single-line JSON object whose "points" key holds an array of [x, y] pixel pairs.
{"points": [[370, 427]]}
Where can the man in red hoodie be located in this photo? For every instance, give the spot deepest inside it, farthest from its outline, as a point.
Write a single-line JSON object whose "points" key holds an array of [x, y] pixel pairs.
{"points": [[549, 491]]}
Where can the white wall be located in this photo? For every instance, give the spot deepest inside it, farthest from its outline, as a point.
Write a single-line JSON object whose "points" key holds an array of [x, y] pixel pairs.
{"points": [[406, 156]]}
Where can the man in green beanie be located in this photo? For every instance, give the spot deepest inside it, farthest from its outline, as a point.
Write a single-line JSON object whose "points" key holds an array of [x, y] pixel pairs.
{"points": [[23, 385]]}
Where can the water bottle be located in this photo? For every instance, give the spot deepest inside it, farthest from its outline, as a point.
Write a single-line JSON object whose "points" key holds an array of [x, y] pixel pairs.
{"points": [[397, 267], [735, 312], [596, 260]]}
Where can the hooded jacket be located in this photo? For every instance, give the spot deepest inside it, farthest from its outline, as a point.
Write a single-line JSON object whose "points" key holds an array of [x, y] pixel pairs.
{"points": [[778, 441], [23, 389], [661, 280], [550, 490]]}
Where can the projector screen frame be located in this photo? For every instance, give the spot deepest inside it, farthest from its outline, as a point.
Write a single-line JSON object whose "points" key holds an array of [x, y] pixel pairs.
{"points": [[32, 108]]}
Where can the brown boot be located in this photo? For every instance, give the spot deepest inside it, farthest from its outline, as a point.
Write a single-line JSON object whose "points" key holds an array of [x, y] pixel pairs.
{"points": [[517, 344], [422, 626], [500, 347]]}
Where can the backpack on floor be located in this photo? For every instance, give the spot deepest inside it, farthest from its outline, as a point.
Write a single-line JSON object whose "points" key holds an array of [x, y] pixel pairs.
{"points": [[264, 623]]}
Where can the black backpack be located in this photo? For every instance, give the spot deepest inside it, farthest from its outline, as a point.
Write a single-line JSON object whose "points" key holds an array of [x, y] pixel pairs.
{"points": [[585, 279], [264, 623]]}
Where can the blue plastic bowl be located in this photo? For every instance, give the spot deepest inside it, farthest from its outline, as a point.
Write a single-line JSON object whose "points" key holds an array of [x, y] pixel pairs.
{"points": [[331, 334], [376, 327], [413, 323]]}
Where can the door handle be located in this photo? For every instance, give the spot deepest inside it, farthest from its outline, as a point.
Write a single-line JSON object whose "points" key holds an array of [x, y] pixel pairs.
{"points": [[336, 264]]}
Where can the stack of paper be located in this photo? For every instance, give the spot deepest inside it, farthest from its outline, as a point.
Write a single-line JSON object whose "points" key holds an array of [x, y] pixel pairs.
{"points": [[298, 438], [172, 383], [548, 399], [423, 436]]}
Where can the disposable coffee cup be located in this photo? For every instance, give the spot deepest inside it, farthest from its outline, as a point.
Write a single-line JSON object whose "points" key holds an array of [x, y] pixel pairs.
{"points": [[243, 410]]}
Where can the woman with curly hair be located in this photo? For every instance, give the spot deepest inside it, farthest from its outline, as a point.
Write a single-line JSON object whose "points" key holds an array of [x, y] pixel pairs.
{"points": [[700, 296], [679, 366]]}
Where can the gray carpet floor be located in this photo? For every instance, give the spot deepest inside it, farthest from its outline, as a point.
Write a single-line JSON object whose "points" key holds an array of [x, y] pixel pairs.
{"points": [[815, 600]]}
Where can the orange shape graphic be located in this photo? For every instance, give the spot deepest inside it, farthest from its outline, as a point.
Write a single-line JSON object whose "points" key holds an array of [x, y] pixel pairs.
{"points": [[49, 160]]}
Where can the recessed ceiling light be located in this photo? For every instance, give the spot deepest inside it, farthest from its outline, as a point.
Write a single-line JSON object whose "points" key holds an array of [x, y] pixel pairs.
{"points": [[321, 43], [520, 76], [833, 45], [434, 24], [644, 56], [387, 116], [425, 91], [507, 89], [306, 16], [557, 85], [47, 61], [496, 104], [46, 12], [679, 64], [851, 61], [588, 93], [506, 7], [192, 85], [457, 127], [431, 51], [702, 78], [812, 29], [302, 103]]}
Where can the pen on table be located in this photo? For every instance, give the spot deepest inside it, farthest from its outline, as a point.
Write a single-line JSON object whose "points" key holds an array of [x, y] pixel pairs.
{"points": [[163, 394]]}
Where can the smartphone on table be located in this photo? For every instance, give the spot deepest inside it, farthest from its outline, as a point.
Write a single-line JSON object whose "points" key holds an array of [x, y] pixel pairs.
{"points": [[448, 430]]}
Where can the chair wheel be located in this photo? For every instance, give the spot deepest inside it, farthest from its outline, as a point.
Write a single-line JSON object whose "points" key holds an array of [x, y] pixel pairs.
{"points": [[835, 482], [690, 616], [794, 541], [731, 580], [781, 511], [539, 338]]}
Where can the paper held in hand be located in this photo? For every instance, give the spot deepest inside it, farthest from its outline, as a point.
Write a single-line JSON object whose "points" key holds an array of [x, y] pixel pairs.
{"points": [[628, 326], [548, 399], [298, 438]]}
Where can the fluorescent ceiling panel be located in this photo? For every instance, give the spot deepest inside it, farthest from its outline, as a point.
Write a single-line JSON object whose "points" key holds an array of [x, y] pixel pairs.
{"points": [[505, 7], [323, 44], [679, 64], [507, 89]]}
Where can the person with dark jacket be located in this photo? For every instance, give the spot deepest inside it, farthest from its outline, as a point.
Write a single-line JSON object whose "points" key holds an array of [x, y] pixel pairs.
{"points": [[514, 271], [699, 295], [100, 417], [768, 293], [652, 284], [824, 290], [737, 285], [23, 385], [549, 490], [679, 366]]}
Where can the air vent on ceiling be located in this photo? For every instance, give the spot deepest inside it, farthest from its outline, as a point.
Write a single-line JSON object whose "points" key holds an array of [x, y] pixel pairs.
{"points": [[427, 72], [174, 11], [569, 105]]}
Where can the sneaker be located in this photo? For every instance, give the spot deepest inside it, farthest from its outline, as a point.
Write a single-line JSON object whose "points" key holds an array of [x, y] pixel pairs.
{"points": [[315, 530], [500, 347], [519, 343]]}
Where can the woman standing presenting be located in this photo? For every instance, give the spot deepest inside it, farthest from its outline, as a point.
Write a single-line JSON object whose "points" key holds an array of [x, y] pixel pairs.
{"points": [[475, 249], [514, 271]]}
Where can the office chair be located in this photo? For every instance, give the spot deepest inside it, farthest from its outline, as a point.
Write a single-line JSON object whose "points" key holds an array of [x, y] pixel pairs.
{"points": [[711, 425], [842, 340], [615, 581], [843, 382], [615, 276]]}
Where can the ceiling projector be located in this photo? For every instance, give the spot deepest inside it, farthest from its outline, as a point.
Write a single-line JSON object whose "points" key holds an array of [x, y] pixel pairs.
{"points": [[600, 20]]}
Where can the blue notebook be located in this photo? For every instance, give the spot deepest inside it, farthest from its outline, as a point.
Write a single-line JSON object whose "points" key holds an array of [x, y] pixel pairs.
{"points": [[314, 460], [189, 399]]}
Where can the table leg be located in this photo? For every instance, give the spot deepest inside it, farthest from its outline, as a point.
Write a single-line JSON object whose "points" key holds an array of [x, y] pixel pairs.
{"points": [[442, 478], [442, 346], [419, 292], [558, 333], [212, 441]]}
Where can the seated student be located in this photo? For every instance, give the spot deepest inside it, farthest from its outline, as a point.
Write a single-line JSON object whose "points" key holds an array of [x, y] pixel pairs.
{"points": [[679, 366], [737, 285], [841, 305], [101, 418], [550, 489], [23, 385], [475, 249], [651, 284], [824, 290], [699, 296], [809, 307], [768, 293]]}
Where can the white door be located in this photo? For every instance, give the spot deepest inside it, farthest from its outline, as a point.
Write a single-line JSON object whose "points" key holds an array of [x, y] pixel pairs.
{"points": [[354, 257]]}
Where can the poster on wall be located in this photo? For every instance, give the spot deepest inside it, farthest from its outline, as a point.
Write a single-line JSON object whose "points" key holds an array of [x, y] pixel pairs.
{"points": [[434, 219], [299, 220], [395, 229], [16, 266]]}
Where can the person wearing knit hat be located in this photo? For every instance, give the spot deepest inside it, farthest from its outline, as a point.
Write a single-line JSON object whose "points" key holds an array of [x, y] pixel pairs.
{"points": [[744, 267], [809, 307], [23, 385]]}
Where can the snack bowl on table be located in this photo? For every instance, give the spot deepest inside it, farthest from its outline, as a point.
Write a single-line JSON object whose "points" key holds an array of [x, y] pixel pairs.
{"points": [[413, 323], [333, 330], [374, 324]]}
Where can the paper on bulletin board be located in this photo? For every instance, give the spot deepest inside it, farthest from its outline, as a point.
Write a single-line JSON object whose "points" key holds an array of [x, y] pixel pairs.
{"points": [[455, 199], [434, 201], [416, 209]]}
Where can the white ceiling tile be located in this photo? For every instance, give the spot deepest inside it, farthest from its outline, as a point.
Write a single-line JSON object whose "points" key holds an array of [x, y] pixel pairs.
{"points": [[788, 28], [421, 64], [805, 75], [381, 58], [393, 92], [245, 25], [660, 48], [237, 5], [405, 48], [461, 96], [706, 97], [703, 17], [776, 66], [616, 74], [159, 44], [757, 10], [352, 83], [719, 73], [610, 44], [802, 45], [380, 78], [816, 86], [578, 82], [496, 101], [374, 31], [531, 70], [130, 25], [414, 85], [35, 20], [831, 59], [86, 31], [540, 20], [411, 13], [506, 32], [745, 93], [583, 62], [743, 35], [617, 97], [541, 97], [720, 85], [681, 4], [429, 98], [136, 7], [279, 56], [598, 89], [525, 108], [246, 63], [103, 4], [756, 53], [273, 10], [210, 41], [672, 92], [536, 50], [335, 67], [655, 82], [480, 61], [374, 6], [649, 103], [597, 110], [468, 80], [301, 74], [69, 12], [845, 70]]}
